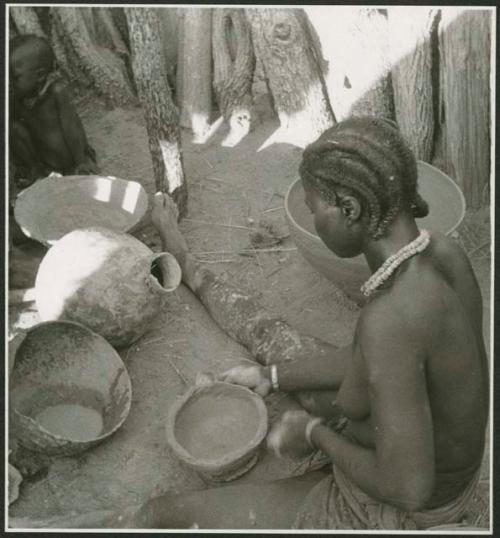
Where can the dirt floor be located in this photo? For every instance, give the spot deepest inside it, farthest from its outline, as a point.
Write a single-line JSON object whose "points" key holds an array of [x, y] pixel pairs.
{"points": [[231, 186]]}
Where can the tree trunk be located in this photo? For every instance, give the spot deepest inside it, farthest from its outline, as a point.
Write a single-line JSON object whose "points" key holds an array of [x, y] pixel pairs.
{"points": [[170, 38], [234, 66], [196, 61], [281, 41], [26, 20], [107, 33], [464, 47], [179, 74], [353, 52], [412, 72], [156, 100], [83, 59]]}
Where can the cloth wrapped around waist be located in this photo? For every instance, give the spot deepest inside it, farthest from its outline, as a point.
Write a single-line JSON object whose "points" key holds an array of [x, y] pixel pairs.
{"points": [[337, 503]]}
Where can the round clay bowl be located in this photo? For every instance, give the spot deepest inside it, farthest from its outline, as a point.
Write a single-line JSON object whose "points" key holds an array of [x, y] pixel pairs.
{"points": [[446, 211], [68, 389], [217, 429], [57, 205]]}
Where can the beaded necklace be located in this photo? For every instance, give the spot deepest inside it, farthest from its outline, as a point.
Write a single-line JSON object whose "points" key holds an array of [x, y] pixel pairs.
{"points": [[393, 262]]}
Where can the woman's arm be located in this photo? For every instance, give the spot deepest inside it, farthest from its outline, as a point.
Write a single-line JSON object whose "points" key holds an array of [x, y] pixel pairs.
{"points": [[400, 470], [323, 372]]}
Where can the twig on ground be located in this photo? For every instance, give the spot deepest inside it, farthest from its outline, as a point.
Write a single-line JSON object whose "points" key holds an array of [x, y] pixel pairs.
{"points": [[247, 251], [474, 250], [275, 271], [215, 179], [178, 372], [273, 209], [217, 261], [258, 262], [196, 221], [152, 341], [206, 160]]}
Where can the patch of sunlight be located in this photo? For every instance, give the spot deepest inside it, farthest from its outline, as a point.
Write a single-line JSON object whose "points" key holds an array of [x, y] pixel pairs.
{"points": [[352, 38], [300, 128], [409, 27], [75, 269], [131, 196], [103, 191], [450, 13], [170, 154], [202, 128], [239, 127]]}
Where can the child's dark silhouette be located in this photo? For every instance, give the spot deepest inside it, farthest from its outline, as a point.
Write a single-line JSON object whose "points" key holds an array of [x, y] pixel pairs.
{"points": [[46, 133]]}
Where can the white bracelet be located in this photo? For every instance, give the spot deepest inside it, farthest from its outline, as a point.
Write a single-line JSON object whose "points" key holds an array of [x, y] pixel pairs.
{"points": [[274, 378], [309, 428]]}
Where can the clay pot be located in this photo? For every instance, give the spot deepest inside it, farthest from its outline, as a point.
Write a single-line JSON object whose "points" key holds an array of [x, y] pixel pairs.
{"points": [[108, 281], [216, 429]]}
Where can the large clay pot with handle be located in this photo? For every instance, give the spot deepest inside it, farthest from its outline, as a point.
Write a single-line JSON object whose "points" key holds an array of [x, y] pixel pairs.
{"points": [[106, 280]]}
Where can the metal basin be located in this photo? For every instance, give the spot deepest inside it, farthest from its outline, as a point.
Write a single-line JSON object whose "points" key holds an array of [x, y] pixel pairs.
{"points": [[446, 211], [57, 205]]}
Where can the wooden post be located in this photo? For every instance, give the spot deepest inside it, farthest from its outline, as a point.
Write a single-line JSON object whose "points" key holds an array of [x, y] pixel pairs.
{"points": [[281, 41], [159, 109], [464, 47], [196, 71], [411, 67], [26, 20], [83, 60], [233, 71]]}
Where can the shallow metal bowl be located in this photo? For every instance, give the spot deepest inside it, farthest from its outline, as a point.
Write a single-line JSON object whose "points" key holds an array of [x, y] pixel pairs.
{"points": [[57, 205], [446, 212]]}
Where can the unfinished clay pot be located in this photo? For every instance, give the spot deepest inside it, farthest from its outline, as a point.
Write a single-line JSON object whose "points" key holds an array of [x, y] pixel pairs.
{"points": [[107, 281], [68, 389], [216, 430]]}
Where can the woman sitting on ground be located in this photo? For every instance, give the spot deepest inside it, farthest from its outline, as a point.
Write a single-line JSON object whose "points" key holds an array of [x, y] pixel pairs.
{"points": [[413, 386]]}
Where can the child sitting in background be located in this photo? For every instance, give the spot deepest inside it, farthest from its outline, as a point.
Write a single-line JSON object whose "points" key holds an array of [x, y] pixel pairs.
{"points": [[46, 133]]}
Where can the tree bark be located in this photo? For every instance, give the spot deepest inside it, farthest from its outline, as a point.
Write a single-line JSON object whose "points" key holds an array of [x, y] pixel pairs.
{"points": [[107, 33], [159, 109], [196, 82], [83, 59], [179, 74], [26, 20], [411, 59], [282, 43], [170, 38], [353, 52], [234, 66], [464, 47]]}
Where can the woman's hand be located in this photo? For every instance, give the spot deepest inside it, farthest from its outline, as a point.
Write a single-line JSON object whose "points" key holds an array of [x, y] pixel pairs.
{"points": [[287, 438], [253, 377]]}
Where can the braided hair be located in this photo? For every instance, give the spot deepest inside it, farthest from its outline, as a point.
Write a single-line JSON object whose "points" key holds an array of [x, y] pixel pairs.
{"points": [[367, 157]]}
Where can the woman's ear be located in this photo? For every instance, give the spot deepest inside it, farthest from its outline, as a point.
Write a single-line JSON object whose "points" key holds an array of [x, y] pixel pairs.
{"points": [[351, 209]]}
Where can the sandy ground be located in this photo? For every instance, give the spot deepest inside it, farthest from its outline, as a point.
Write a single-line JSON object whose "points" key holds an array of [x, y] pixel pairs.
{"points": [[232, 186]]}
